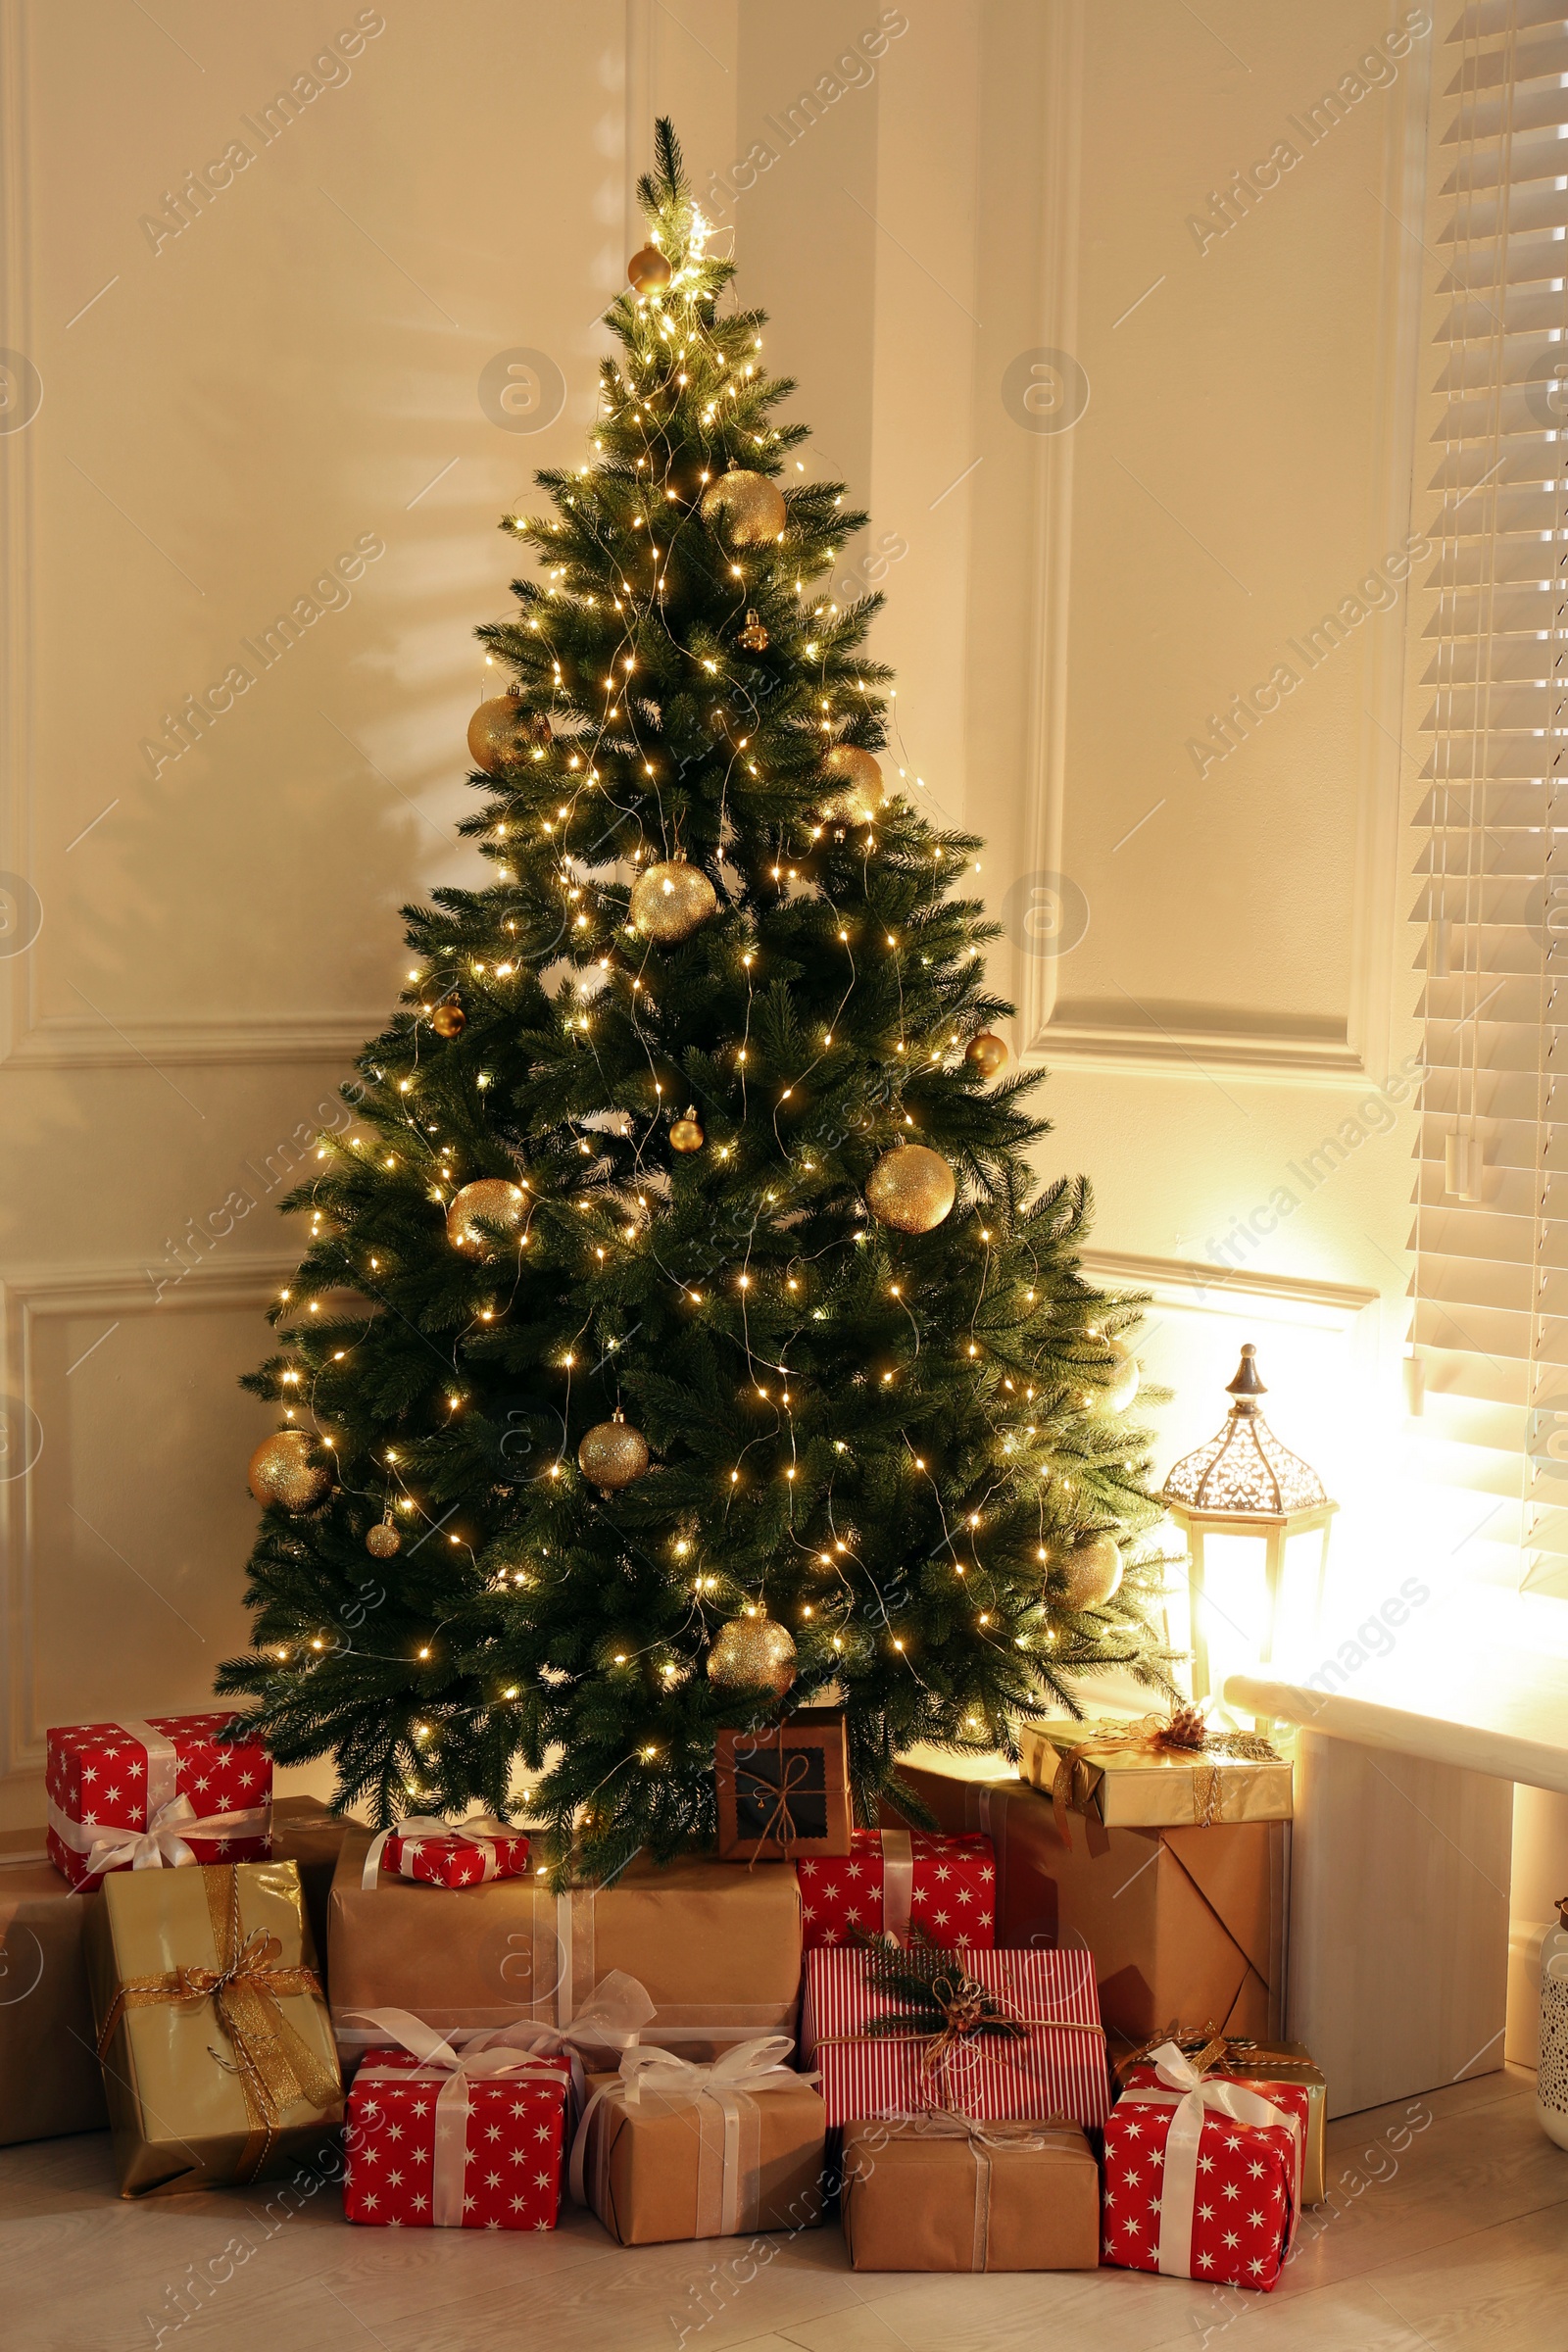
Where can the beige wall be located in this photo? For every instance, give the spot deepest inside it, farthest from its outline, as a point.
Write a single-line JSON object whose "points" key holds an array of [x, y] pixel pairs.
{"points": [[297, 371]]}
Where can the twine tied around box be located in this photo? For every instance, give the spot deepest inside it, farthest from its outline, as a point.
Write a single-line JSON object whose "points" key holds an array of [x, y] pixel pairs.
{"points": [[986, 2139]]}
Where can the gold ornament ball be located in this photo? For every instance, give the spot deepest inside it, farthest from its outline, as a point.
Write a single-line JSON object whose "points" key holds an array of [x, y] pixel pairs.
{"points": [[648, 272], [613, 1454], [449, 1020], [671, 901], [752, 1654], [686, 1134], [911, 1187], [860, 791], [282, 1471], [987, 1054], [382, 1541], [490, 1199], [1122, 1388], [1093, 1571], [746, 507], [754, 637], [497, 733]]}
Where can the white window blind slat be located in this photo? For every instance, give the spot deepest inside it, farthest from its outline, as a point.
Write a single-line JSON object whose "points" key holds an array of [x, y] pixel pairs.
{"points": [[1489, 1321]]}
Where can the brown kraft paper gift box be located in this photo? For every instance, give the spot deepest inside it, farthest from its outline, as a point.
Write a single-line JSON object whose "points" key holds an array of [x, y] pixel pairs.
{"points": [[717, 1947], [1186, 1925], [654, 2170], [310, 1836], [217, 2057], [936, 2192], [50, 2078]]}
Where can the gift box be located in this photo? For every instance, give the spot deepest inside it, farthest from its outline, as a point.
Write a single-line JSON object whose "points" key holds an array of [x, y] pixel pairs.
{"points": [[306, 1834], [1023, 1846], [928, 2053], [672, 2148], [50, 2078], [216, 2042], [444, 1853], [133, 1793], [716, 1945], [1202, 2177], [892, 1881], [1185, 1923], [784, 1790], [941, 2193], [440, 2138], [1130, 1775], [1254, 2065]]}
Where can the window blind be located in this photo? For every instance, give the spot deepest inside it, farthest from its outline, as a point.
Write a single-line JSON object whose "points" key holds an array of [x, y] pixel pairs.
{"points": [[1491, 1310]]}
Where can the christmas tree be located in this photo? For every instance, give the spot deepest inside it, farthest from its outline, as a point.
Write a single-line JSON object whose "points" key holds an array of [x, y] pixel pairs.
{"points": [[712, 1346]]}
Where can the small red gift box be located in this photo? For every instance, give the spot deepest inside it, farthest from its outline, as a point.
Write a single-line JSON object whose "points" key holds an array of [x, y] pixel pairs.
{"points": [[446, 1853], [164, 1792], [456, 2138], [898, 1878], [1202, 2175], [1057, 2065]]}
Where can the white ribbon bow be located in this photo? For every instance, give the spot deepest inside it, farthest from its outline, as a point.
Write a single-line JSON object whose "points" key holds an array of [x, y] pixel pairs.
{"points": [[478, 1830], [454, 2061], [727, 2084], [1193, 2097], [163, 1843]]}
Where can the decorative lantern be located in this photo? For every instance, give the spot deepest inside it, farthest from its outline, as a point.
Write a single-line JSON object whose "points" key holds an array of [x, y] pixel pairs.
{"points": [[1256, 1522]]}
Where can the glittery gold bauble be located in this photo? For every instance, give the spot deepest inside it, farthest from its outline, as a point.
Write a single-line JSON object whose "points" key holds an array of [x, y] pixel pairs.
{"points": [[1122, 1388], [987, 1054], [671, 899], [382, 1541], [746, 507], [498, 733], [282, 1471], [496, 1202], [754, 637], [1093, 1571], [449, 1020], [911, 1187], [861, 793], [686, 1134], [751, 1653], [648, 272], [613, 1454]]}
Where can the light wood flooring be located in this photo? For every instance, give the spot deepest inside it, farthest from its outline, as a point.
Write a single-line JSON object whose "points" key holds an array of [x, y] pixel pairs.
{"points": [[1449, 2228]]}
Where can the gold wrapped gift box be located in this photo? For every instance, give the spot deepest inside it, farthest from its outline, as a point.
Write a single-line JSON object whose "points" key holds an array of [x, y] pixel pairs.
{"points": [[217, 2054], [1118, 1776]]}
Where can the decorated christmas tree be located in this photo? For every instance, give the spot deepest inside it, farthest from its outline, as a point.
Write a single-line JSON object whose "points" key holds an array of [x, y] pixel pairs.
{"points": [[684, 1335]]}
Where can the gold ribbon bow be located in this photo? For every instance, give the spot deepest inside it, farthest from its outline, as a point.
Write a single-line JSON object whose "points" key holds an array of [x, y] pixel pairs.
{"points": [[274, 2067], [1183, 1734]]}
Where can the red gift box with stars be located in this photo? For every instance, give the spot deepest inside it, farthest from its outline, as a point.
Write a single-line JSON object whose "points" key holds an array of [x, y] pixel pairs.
{"points": [[428, 2147], [159, 1791], [897, 1880], [1203, 2194], [455, 1861]]}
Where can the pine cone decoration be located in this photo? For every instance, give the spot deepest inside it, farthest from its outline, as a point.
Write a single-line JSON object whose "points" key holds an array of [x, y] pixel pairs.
{"points": [[1186, 1729]]}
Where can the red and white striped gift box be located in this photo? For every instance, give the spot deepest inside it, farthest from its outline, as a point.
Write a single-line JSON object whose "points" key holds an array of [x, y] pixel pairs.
{"points": [[1057, 2068], [896, 1880]]}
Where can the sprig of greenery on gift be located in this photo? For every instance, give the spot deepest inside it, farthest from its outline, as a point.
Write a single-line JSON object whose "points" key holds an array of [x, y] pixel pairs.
{"points": [[938, 1993], [636, 1380]]}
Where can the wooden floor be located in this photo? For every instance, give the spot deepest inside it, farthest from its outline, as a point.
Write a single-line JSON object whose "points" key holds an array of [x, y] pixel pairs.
{"points": [[1447, 2227]]}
